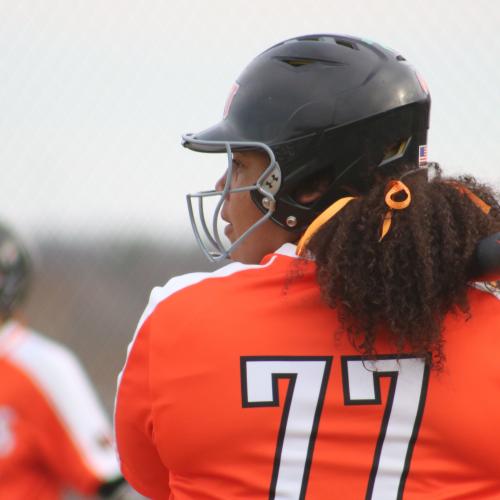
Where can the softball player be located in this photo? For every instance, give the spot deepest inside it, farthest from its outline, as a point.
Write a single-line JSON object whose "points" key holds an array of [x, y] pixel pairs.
{"points": [[346, 353], [54, 434]]}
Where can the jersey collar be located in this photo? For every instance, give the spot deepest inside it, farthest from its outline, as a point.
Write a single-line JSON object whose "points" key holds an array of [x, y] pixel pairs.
{"points": [[288, 249]]}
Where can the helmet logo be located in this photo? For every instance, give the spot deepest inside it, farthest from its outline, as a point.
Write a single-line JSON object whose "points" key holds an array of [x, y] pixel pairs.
{"points": [[229, 101], [272, 182], [422, 82]]}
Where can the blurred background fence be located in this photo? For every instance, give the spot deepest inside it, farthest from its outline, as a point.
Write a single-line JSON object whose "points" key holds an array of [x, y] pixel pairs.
{"points": [[89, 295]]}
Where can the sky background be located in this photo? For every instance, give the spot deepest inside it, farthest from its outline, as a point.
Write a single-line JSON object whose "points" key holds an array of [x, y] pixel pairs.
{"points": [[95, 94]]}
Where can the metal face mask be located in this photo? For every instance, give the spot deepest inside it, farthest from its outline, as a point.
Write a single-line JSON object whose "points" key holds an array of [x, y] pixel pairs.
{"points": [[205, 223]]}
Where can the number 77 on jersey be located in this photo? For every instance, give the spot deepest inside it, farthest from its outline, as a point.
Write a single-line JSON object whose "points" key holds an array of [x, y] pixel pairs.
{"points": [[308, 378]]}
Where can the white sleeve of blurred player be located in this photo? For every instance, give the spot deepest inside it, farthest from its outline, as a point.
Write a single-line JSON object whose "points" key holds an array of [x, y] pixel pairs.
{"points": [[68, 391]]}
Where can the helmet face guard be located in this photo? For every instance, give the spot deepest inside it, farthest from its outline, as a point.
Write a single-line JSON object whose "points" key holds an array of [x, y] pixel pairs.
{"points": [[206, 226]]}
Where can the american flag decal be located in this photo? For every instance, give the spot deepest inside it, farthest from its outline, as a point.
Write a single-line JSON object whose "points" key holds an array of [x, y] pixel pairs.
{"points": [[422, 156]]}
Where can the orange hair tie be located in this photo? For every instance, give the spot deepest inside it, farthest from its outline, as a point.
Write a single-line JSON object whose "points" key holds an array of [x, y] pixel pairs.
{"points": [[484, 207], [321, 219], [394, 187]]}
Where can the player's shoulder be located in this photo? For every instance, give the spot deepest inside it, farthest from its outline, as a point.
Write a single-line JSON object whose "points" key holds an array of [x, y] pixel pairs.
{"points": [[45, 359], [196, 283], [43, 347], [234, 269]]}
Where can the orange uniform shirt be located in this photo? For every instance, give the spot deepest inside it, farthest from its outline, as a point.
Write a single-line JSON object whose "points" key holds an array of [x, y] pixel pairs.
{"points": [[54, 434], [240, 385]]}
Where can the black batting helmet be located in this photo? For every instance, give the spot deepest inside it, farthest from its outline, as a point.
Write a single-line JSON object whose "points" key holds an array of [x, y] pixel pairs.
{"points": [[326, 104]]}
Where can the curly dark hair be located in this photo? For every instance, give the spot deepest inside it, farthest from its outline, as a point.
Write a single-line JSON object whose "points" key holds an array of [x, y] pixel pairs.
{"points": [[417, 274]]}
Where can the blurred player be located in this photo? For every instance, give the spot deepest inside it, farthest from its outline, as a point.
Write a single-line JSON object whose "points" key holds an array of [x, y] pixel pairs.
{"points": [[54, 434], [345, 354]]}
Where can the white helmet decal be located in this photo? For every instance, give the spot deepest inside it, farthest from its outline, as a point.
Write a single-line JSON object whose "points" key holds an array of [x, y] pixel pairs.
{"points": [[272, 182]]}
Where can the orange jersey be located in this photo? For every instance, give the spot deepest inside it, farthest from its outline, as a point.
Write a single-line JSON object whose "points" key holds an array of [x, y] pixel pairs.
{"points": [[53, 433], [240, 385]]}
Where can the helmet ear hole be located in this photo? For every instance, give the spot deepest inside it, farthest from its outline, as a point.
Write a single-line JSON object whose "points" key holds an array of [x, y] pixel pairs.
{"points": [[313, 188], [308, 198]]}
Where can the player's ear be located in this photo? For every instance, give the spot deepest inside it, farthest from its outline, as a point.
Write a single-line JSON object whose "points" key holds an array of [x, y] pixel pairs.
{"points": [[308, 197], [311, 190]]}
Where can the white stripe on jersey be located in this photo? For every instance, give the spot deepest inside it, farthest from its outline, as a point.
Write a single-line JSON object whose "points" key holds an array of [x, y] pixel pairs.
{"points": [[61, 379]]}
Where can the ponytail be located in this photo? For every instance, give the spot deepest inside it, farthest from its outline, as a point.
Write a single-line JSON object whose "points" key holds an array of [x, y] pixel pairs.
{"points": [[399, 258]]}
